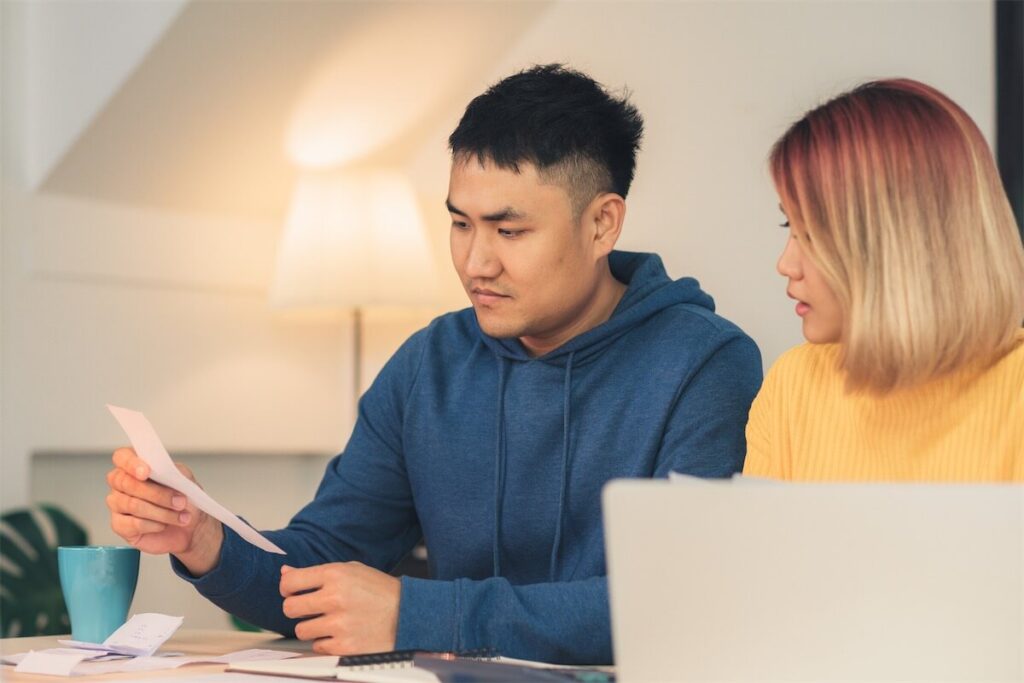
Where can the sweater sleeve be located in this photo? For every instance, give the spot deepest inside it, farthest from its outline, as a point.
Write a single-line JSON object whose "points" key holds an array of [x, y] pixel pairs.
{"points": [[363, 511], [564, 622], [759, 461], [705, 433]]}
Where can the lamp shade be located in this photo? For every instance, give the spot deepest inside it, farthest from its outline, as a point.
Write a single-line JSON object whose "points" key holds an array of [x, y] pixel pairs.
{"points": [[353, 239]]}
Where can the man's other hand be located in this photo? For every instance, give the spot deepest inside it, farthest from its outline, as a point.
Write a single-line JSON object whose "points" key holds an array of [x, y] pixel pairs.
{"points": [[346, 607], [157, 519]]}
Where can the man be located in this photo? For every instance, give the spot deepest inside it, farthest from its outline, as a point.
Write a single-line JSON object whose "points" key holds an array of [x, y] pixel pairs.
{"points": [[490, 433]]}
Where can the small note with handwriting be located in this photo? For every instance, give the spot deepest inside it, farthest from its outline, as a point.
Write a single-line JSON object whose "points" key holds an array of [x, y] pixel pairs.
{"points": [[140, 636]]}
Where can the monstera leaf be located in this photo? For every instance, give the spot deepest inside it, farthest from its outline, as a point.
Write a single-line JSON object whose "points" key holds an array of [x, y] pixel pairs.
{"points": [[243, 625], [31, 602]]}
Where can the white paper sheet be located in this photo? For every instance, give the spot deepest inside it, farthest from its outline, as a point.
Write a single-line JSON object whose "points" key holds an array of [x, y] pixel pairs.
{"points": [[252, 656], [49, 663], [227, 677], [92, 668], [97, 668], [140, 636], [88, 654], [148, 447], [82, 662]]}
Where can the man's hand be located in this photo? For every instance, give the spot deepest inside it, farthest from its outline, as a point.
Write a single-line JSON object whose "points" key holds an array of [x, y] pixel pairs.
{"points": [[157, 519], [347, 607]]}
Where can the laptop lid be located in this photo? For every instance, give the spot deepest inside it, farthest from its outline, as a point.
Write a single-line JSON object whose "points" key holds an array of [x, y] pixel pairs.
{"points": [[761, 581]]}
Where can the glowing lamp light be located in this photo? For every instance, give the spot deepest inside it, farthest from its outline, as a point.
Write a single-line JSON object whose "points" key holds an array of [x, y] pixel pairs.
{"points": [[354, 239]]}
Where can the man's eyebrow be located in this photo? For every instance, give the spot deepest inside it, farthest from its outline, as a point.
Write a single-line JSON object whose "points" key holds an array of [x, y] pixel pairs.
{"points": [[452, 209], [506, 214]]}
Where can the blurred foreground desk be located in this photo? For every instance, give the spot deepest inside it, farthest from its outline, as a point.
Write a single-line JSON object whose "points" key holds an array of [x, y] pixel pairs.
{"points": [[189, 642]]}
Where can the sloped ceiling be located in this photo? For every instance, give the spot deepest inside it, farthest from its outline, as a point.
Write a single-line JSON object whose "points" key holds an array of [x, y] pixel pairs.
{"points": [[201, 124]]}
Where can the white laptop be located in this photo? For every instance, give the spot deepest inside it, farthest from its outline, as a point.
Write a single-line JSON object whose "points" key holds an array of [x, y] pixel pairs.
{"points": [[762, 581]]}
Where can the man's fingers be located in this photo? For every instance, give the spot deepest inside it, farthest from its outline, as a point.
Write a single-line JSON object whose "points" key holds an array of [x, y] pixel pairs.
{"points": [[126, 459], [137, 507], [335, 646], [304, 606], [298, 580], [121, 481], [311, 629], [128, 527]]}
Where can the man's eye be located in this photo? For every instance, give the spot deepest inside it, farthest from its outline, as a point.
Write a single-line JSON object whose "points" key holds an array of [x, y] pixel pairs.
{"points": [[510, 234], [784, 225], [460, 225]]}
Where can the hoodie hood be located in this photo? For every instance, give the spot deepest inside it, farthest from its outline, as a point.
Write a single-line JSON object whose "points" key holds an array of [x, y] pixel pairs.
{"points": [[649, 291]]}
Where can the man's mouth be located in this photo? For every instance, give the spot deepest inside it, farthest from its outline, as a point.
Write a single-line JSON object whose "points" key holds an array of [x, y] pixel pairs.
{"points": [[485, 295]]}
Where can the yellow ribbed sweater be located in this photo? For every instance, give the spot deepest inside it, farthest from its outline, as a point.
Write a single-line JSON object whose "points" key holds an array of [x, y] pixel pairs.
{"points": [[967, 427]]}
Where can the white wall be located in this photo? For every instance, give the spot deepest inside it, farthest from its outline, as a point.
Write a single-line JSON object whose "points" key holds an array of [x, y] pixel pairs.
{"points": [[59, 90], [167, 312]]}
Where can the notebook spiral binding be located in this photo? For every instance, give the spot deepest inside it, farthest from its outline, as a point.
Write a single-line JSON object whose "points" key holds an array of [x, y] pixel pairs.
{"points": [[400, 659]]}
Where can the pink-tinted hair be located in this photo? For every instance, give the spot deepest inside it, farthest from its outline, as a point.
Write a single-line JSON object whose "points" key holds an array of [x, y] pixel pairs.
{"points": [[908, 221]]}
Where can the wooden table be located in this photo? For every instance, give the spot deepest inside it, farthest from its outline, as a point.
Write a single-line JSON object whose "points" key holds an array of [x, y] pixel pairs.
{"points": [[188, 641]]}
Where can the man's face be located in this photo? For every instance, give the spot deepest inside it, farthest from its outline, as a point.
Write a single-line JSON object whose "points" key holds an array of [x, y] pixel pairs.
{"points": [[527, 266]]}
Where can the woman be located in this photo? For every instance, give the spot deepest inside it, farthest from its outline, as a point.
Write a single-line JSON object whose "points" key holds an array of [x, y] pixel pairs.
{"points": [[908, 272]]}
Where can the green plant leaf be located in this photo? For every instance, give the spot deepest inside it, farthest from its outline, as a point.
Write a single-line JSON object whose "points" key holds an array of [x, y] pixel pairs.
{"points": [[31, 602], [242, 625]]}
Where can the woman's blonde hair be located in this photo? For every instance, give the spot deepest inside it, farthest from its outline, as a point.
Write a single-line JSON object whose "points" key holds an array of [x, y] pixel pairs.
{"points": [[909, 224]]}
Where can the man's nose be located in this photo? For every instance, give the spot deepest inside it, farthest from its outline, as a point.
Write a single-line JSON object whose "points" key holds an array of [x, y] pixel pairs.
{"points": [[482, 261]]}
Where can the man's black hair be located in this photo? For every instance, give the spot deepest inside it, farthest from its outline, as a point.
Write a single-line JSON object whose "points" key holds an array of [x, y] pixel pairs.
{"points": [[561, 121]]}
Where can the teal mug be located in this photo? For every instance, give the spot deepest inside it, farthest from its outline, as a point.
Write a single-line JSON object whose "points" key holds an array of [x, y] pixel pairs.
{"points": [[99, 584]]}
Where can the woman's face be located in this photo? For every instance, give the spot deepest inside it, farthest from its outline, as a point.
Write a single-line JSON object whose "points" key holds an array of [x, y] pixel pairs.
{"points": [[816, 305]]}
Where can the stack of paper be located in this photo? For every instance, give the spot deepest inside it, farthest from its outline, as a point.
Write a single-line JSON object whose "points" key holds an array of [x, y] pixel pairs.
{"points": [[130, 648]]}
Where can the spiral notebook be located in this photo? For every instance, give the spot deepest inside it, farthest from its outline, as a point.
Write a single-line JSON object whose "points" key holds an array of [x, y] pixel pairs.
{"points": [[415, 666], [384, 667], [329, 668]]}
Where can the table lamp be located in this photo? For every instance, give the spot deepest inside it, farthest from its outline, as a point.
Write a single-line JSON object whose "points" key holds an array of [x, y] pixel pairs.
{"points": [[354, 239]]}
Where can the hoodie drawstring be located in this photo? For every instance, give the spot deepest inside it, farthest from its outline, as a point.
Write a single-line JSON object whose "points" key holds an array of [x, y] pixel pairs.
{"points": [[500, 462], [499, 468], [566, 420]]}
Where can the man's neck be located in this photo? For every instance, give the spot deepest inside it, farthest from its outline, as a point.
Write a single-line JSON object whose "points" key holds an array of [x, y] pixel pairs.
{"points": [[597, 310]]}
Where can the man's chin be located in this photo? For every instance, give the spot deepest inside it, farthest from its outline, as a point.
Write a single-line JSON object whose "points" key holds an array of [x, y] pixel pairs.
{"points": [[497, 329]]}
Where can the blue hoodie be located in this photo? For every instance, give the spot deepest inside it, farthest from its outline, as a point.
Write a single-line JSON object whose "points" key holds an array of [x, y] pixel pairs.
{"points": [[497, 460]]}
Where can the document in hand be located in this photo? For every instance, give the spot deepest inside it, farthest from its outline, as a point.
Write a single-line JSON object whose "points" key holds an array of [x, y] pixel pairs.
{"points": [[149, 447]]}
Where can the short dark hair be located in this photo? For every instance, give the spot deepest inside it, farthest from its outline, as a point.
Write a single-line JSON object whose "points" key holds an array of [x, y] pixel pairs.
{"points": [[561, 121]]}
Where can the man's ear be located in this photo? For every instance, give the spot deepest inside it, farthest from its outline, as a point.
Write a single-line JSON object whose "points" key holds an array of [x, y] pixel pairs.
{"points": [[605, 215]]}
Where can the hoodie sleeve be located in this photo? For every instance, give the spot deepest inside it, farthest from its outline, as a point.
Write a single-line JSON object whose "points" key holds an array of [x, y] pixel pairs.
{"points": [[566, 622], [363, 511], [705, 433]]}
